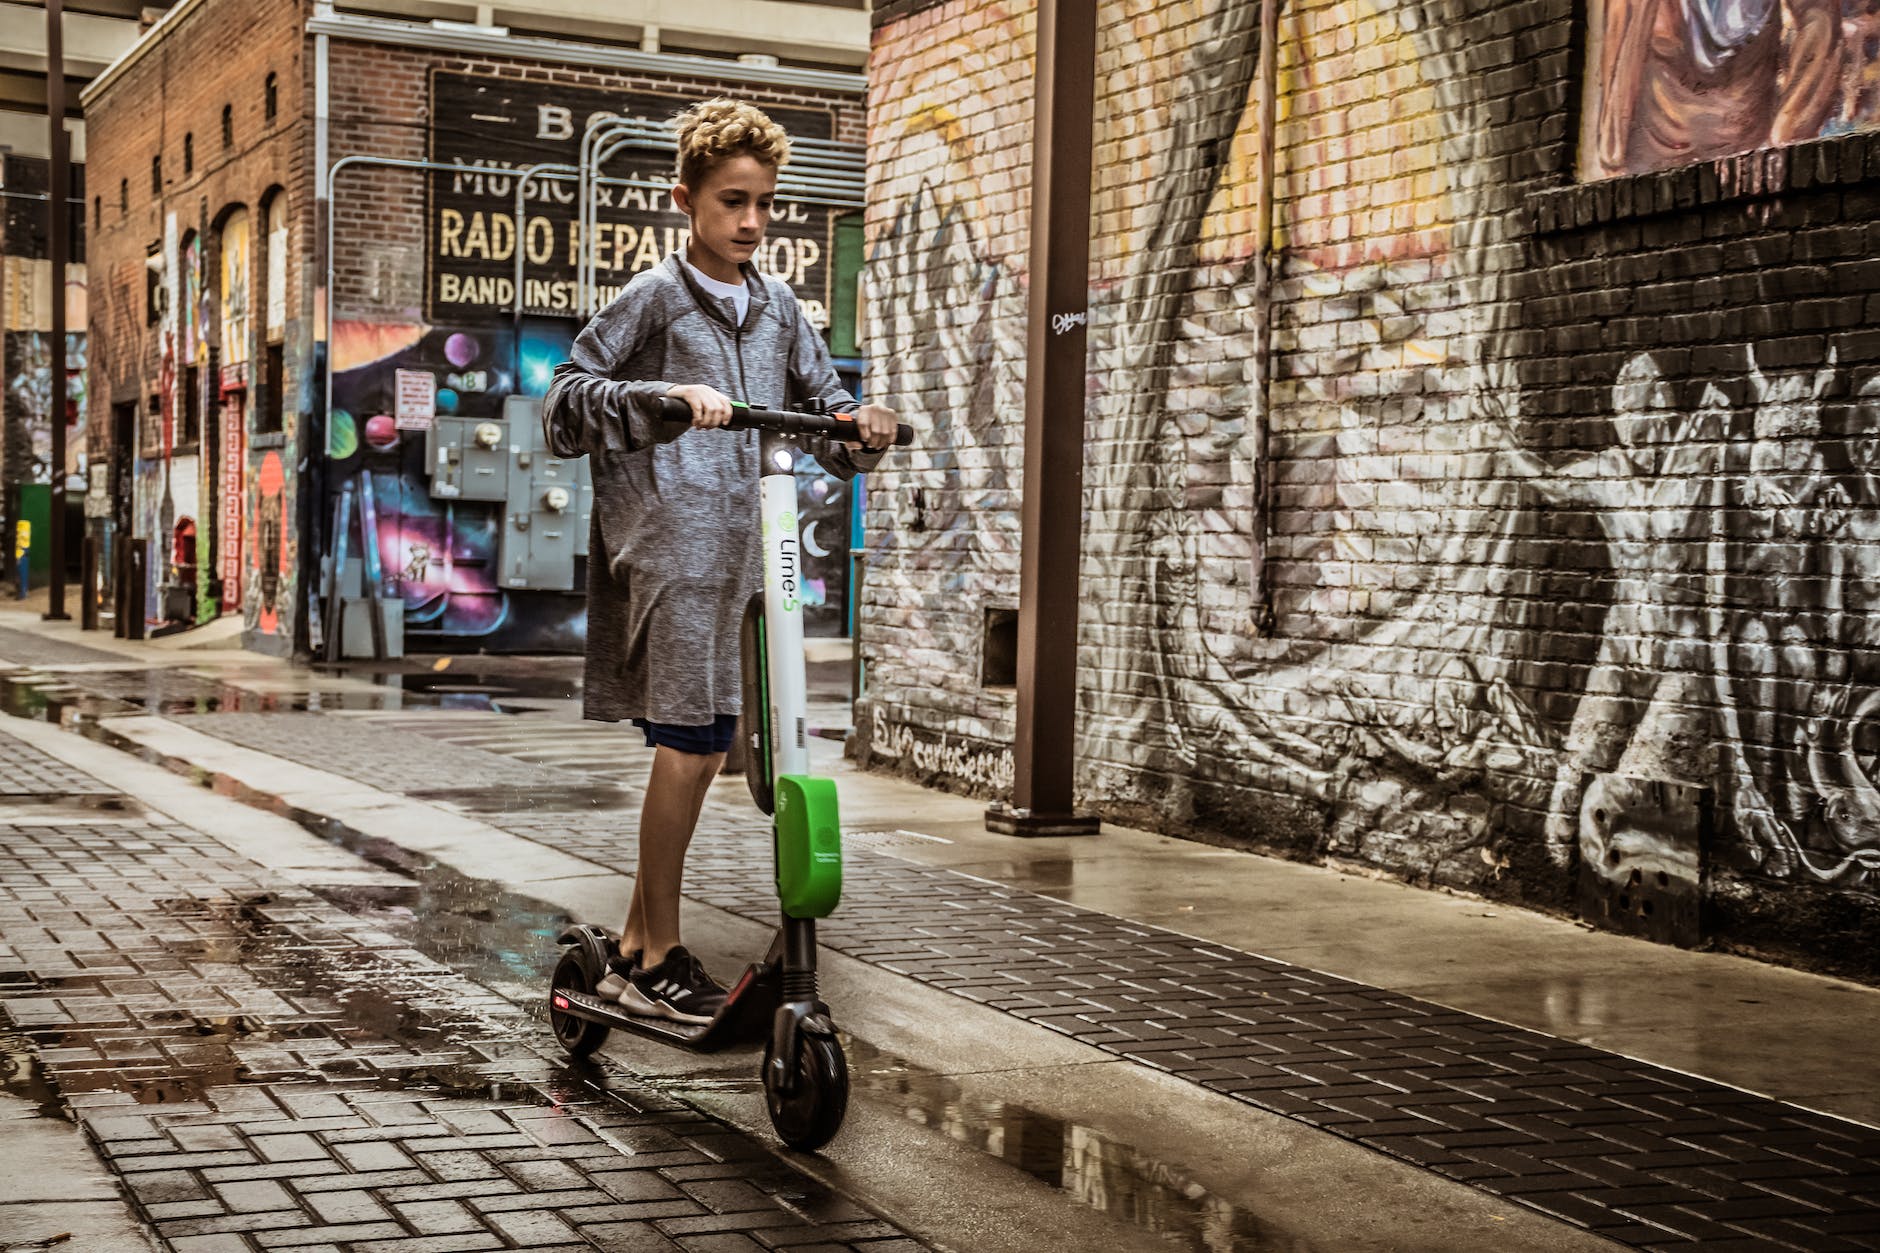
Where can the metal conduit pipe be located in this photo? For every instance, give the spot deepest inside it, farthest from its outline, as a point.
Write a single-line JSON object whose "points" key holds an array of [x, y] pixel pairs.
{"points": [[523, 179]]}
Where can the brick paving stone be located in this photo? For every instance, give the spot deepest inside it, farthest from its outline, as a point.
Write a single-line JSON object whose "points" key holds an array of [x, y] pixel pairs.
{"points": [[351, 1206], [627, 1238], [525, 1230]]}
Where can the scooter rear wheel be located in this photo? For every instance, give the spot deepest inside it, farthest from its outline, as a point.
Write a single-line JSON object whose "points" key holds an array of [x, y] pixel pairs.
{"points": [[579, 1036], [809, 1117]]}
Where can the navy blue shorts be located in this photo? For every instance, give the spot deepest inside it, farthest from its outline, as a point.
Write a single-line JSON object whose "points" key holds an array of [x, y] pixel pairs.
{"points": [[703, 741]]}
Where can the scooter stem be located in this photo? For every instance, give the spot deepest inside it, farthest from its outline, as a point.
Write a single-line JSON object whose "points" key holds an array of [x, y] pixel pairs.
{"points": [[783, 607]]}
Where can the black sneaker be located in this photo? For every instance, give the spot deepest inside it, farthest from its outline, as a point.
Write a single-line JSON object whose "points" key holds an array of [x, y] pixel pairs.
{"points": [[678, 988], [613, 984]]}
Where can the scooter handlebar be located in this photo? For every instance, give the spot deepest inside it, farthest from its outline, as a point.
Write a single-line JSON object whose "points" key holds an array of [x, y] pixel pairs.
{"points": [[784, 421]]}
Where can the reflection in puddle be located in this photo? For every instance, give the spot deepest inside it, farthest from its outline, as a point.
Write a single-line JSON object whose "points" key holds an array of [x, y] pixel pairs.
{"points": [[1103, 1173], [510, 799], [168, 692], [22, 1076]]}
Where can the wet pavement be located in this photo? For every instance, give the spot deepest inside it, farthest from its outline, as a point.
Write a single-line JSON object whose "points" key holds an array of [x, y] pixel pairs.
{"points": [[261, 1067], [1608, 1146]]}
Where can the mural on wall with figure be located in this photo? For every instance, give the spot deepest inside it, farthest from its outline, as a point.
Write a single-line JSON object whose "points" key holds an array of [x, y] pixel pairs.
{"points": [[1672, 82], [1439, 555]]}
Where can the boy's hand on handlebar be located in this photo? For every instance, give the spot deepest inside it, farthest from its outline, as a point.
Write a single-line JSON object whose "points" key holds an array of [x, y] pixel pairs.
{"points": [[710, 407], [876, 425]]}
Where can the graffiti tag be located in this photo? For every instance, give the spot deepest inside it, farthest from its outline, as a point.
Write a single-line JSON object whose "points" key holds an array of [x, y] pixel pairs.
{"points": [[980, 766], [1064, 322]]}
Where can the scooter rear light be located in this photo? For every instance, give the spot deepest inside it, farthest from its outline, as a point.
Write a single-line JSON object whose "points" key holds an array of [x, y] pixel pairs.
{"points": [[561, 1002]]}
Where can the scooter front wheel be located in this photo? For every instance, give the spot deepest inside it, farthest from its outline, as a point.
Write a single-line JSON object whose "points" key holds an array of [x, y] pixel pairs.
{"points": [[579, 1036], [809, 1117]]}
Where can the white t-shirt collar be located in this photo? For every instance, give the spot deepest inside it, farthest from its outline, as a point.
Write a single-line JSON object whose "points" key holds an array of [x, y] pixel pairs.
{"points": [[740, 294]]}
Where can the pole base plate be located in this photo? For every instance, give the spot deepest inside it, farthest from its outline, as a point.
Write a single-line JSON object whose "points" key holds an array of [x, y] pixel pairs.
{"points": [[1005, 820]]}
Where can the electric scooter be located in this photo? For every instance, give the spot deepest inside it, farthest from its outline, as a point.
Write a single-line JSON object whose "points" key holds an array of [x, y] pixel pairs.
{"points": [[806, 1080]]}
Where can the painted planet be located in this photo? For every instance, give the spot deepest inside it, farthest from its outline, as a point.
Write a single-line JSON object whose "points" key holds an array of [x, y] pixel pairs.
{"points": [[446, 400], [342, 435], [461, 349], [381, 431]]}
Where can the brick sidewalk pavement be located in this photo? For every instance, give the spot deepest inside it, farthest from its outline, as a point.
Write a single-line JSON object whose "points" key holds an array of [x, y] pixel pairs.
{"points": [[1633, 1152], [262, 1070]]}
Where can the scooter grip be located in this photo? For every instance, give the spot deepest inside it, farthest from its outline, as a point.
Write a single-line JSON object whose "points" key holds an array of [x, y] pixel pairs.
{"points": [[673, 409]]}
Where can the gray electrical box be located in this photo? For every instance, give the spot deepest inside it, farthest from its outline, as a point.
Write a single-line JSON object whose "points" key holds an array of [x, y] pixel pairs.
{"points": [[547, 507], [469, 458]]}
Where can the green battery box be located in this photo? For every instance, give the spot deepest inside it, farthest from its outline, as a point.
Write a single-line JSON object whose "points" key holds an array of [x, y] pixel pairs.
{"points": [[809, 846]]}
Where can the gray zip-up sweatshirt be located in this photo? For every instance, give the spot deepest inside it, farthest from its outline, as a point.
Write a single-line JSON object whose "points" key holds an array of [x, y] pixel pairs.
{"points": [[673, 553]]}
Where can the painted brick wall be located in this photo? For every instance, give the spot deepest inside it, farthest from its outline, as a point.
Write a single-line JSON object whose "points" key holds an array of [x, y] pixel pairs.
{"points": [[1572, 514], [382, 106], [220, 54]]}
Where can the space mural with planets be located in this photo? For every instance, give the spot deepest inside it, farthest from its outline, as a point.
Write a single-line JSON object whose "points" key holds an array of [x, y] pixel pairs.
{"points": [[440, 556]]}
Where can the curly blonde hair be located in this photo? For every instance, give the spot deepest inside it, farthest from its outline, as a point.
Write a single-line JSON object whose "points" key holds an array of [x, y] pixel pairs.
{"points": [[717, 130]]}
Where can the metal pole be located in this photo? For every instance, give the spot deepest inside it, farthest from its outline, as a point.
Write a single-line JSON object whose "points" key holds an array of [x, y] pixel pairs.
{"points": [[88, 579], [1262, 580], [58, 197], [1051, 511]]}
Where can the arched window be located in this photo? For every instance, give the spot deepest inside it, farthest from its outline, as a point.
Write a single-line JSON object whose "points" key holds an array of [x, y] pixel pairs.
{"points": [[189, 155], [156, 175], [97, 212], [271, 101], [228, 126], [124, 195]]}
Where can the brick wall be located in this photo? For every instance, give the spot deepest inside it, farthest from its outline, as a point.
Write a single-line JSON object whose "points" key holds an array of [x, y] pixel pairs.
{"points": [[169, 105], [1570, 546]]}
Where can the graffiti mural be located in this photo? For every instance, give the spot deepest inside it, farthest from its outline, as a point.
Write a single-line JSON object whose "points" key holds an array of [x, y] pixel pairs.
{"points": [[1507, 640], [30, 407], [1678, 81], [440, 554]]}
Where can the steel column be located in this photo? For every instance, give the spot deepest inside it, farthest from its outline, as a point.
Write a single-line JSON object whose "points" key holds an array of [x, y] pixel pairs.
{"points": [[1051, 514], [58, 202]]}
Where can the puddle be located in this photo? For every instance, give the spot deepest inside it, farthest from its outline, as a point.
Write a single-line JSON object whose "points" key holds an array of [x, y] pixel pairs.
{"points": [[516, 685], [91, 807], [575, 798], [22, 1076], [1094, 1169]]}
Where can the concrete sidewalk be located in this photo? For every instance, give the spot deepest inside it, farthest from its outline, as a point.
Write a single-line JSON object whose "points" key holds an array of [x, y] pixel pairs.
{"points": [[433, 780]]}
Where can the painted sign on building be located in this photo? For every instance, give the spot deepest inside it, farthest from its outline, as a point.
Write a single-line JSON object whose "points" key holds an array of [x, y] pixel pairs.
{"points": [[491, 126]]}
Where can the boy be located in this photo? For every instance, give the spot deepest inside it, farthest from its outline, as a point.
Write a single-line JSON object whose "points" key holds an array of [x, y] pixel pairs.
{"points": [[674, 551]]}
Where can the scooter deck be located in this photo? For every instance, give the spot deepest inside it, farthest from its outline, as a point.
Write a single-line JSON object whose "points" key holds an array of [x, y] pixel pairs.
{"points": [[745, 1019]]}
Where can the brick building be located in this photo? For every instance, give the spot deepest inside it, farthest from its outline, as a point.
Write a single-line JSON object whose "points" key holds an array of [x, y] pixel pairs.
{"points": [[210, 309], [1519, 537]]}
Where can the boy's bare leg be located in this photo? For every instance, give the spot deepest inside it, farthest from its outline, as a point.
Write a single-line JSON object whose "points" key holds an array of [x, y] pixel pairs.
{"points": [[675, 795]]}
